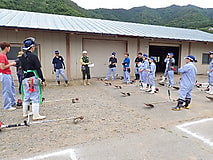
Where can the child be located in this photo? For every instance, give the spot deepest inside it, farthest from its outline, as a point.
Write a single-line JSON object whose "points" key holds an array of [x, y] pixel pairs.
{"points": [[112, 66], [142, 70], [169, 60], [138, 61], [187, 83], [151, 74], [126, 68], [210, 74]]}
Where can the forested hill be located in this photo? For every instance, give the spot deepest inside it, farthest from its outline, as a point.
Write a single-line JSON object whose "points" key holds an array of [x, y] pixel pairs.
{"points": [[174, 16]]}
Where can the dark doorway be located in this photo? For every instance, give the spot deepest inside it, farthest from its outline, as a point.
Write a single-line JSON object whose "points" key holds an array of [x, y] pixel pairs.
{"points": [[160, 53]]}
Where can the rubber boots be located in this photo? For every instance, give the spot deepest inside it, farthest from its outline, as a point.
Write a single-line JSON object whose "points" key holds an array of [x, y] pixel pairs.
{"points": [[84, 82], [187, 103], [179, 105], [25, 109], [36, 115], [88, 82]]}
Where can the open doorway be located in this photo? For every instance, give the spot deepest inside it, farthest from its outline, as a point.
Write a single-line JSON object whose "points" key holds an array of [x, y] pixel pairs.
{"points": [[160, 53]]}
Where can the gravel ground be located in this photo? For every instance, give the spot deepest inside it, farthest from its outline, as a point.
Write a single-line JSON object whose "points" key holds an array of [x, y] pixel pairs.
{"points": [[107, 114]]}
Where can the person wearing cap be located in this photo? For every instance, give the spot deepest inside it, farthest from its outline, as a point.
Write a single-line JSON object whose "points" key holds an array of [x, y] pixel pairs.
{"points": [[33, 79], [19, 70], [151, 75], [138, 61], [142, 70], [210, 74], [59, 66], [8, 87], [170, 69], [84, 67], [112, 67], [187, 83], [126, 68], [170, 61]]}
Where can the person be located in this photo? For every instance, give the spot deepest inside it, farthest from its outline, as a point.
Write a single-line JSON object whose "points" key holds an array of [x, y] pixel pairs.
{"points": [[33, 79], [19, 70], [59, 67], [151, 69], [170, 69], [210, 74], [187, 83], [8, 87], [112, 66], [138, 61], [142, 70], [126, 68], [85, 68], [168, 60]]}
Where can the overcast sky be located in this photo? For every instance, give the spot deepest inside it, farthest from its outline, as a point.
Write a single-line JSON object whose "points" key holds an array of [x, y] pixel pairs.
{"points": [[127, 4]]}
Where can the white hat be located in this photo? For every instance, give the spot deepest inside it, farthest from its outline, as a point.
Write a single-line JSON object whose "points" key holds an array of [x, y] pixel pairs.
{"points": [[84, 52]]}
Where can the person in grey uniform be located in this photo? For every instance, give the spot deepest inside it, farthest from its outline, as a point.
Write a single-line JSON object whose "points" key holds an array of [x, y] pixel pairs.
{"points": [[167, 60], [151, 69], [142, 70], [210, 74], [170, 69], [187, 83]]}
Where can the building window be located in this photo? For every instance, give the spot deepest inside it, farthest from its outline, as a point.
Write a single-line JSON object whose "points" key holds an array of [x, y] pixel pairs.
{"points": [[206, 58], [14, 49]]}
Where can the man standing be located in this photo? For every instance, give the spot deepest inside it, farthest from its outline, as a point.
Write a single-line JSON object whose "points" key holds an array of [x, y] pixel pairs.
{"points": [[8, 88], [85, 68], [210, 74], [126, 68], [112, 66], [33, 79], [187, 83], [59, 66]]}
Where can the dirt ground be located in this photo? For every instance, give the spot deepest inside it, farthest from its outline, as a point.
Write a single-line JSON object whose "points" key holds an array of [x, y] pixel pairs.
{"points": [[107, 114]]}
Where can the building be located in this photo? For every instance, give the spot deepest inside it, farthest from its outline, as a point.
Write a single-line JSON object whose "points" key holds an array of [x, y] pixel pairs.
{"points": [[71, 35]]}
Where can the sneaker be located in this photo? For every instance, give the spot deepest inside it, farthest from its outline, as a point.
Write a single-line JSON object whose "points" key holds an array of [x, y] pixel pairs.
{"points": [[11, 109], [186, 107], [176, 108]]}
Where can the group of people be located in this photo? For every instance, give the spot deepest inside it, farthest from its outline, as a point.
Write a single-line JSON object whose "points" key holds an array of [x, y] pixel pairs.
{"points": [[145, 68], [32, 80], [32, 83]]}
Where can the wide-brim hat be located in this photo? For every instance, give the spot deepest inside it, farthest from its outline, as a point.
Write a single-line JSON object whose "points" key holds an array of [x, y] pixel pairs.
{"points": [[210, 52]]}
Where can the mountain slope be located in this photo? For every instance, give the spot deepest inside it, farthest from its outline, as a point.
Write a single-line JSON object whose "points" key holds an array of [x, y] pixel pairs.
{"points": [[174, 16]]}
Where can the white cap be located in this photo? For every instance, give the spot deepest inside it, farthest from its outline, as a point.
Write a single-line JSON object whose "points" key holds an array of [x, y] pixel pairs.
{"points": [[84, 52]]}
